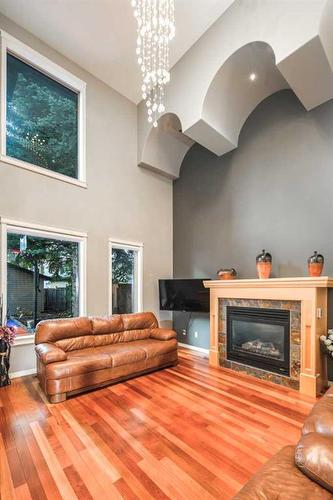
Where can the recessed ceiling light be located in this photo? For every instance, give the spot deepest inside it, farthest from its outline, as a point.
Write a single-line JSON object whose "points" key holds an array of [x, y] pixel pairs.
{"points": [[253, 77]]}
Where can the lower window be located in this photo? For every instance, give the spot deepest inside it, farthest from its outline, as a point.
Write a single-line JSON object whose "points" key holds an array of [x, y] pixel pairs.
{"points": [[43, 278], [126, 278]]}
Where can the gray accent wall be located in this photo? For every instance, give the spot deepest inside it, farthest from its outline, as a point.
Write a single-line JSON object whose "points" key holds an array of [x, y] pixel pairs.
{"points": [[275, 191]]}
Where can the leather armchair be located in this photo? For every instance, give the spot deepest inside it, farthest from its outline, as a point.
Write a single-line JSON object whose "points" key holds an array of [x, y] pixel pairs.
{"points": [[304, 471]]}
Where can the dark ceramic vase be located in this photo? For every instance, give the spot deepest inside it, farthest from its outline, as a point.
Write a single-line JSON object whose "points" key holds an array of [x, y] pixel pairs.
{"points": [[315, 264], [264, 265], [4, 363]]}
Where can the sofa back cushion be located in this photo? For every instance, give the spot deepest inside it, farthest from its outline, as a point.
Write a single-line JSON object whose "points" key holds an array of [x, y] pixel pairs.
{"points": [[139, 321], [123, 328], [79, 333], [55, 330]]}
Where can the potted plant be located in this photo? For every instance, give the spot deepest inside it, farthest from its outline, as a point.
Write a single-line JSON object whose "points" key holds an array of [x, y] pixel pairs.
{"points": [[7, 337]]}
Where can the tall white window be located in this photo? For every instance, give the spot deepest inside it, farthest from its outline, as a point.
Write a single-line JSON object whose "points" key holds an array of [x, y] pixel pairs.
{"points": [[126, 268], [42, 275], [42, 114]]}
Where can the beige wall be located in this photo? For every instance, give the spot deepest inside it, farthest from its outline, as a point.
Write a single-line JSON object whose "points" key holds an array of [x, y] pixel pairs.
{"points": [[121, 201]]}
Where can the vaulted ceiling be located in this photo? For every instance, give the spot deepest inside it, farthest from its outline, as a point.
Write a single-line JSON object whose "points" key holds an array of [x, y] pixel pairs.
{"points": [[100, 35], [252, 51]]}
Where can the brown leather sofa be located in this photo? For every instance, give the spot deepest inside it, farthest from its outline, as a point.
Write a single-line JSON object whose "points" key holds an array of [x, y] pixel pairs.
{"points": [[304, 472], [75, 354]]}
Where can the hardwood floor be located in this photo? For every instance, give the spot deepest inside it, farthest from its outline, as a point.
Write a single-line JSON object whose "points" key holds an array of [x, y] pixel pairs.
{"points": [[181, 433]]}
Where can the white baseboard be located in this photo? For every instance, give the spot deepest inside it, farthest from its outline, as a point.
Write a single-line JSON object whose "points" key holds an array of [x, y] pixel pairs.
{"points": [[194, 348], [23, 373]]}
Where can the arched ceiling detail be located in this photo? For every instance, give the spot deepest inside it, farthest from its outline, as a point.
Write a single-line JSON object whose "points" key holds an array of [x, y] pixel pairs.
{"points": [[165, 146], [247, 77], [211, 94]]}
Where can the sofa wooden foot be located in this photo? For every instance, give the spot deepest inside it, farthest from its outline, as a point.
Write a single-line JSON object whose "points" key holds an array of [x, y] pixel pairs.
{"points": [[58, 398]]}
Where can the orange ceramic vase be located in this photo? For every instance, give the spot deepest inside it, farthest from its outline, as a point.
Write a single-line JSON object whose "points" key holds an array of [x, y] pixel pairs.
{"points": [[315, 265], [264, 270], [264, 265]]}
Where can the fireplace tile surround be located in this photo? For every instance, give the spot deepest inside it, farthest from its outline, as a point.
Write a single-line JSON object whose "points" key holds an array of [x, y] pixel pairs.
{"points": [[307, 298], [295, 339]]}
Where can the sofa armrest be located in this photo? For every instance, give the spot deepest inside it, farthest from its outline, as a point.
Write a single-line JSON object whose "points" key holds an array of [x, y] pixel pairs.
{"points": [[50, 353], [314, 457], [162, 334]]}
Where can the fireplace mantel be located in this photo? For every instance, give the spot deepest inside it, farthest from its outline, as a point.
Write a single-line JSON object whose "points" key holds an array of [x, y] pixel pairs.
{"points": [[321, 282], [313, 295]]}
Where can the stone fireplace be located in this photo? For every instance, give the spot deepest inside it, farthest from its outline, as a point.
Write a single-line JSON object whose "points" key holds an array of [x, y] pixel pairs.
{"points": [[270, 329], [261, 338]]}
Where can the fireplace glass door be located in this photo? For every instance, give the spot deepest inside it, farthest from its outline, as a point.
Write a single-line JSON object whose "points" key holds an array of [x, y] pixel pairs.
{"points": [[259, 337]]}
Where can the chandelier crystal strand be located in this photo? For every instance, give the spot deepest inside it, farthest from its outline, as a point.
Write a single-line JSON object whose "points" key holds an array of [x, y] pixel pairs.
{"points": [[155, 30]]}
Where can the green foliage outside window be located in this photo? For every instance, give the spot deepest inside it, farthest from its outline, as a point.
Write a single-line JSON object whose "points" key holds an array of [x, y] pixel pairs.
{"points": [[58, 257], [42, 119], [122, 266], [47, 260]]}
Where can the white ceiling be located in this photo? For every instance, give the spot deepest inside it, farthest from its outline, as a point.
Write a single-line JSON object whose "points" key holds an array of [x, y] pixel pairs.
{"points": [[100, 35]]}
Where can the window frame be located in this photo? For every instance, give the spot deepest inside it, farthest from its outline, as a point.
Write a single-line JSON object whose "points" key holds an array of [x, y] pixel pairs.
{"points": [[26, 54], [10, 225], [127, 245]]}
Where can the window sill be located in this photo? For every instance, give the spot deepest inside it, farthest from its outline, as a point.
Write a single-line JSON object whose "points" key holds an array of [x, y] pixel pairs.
{"points": [[24, 340], [43, 171]]}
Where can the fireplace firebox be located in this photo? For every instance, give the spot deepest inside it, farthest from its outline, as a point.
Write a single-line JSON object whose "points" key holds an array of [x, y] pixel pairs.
{"points": [[259, 337]]}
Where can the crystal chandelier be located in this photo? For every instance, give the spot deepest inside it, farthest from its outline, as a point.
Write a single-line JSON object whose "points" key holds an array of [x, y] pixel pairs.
{"points": [[155, 29]]}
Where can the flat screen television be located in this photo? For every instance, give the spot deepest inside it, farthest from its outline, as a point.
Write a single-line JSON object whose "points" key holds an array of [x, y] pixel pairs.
{"points": [[183, 295]]}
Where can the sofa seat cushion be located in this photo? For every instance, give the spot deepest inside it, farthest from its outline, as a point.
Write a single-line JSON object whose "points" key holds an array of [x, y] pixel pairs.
{"points": [[137, 350], [320, 418], [77, 363], [123, 354], [154, 347], [280, 479], [91, 359]]}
